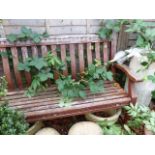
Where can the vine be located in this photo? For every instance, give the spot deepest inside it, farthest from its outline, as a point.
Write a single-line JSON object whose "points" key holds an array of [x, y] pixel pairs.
{"points": [[43, 69], [3, 86], [26, 34]]}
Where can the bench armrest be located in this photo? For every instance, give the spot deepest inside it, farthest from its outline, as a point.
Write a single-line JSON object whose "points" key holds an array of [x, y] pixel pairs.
{"points": [[128, 73]]}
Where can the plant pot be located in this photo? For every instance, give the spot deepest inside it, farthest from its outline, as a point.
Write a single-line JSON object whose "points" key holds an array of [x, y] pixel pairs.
{"points": [[148, 132], [35, 128], [110, 116]]}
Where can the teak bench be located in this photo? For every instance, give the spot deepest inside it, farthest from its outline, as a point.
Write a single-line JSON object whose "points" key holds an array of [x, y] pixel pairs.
{"points": [[82, 51]]}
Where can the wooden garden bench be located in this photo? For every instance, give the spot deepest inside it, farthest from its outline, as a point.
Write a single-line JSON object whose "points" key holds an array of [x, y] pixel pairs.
{"points": [[82, 51]]}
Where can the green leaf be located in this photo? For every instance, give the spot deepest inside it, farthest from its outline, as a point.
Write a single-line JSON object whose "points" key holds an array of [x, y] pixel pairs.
{"points": [[11, 37], [82, 94], [38, 63]]}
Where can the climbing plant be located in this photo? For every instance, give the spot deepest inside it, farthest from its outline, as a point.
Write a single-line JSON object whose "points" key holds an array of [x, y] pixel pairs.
{"points": [[3, 86], [43, 69], [26, 34]]}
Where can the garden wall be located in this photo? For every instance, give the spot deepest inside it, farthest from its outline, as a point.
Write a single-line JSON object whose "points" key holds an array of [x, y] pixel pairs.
{"points": [[54, 27]]}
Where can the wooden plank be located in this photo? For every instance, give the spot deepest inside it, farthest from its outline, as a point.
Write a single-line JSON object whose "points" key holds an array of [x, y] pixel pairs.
{"points": [[15, 65], [55, 97], [7, 71], [81, 57], [44, 50], [97, 51], [54, 102], [113, 45], [73, 60], [25, 56], [34, 51], [57, 40], [63, 58], [77, 110], [105, 52], [89, 53], [53, 49]]}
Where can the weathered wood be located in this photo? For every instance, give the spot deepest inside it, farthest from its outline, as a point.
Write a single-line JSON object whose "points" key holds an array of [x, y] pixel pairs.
{"points": [[15, 64], [63, 58], [89, 54], [81, 57], [105, 52], [73, 60], [7, 71], [25, 56], [97, 51], [44, 106]]}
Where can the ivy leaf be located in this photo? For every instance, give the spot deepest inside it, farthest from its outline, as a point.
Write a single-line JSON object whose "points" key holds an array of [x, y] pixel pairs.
{"points": [[11, 37], [82, 94], [23, 67], [38, 63], [109, 76]]}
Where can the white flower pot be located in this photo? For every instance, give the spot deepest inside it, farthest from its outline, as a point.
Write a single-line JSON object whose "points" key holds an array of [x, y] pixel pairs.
{"points": [[113, 116]]}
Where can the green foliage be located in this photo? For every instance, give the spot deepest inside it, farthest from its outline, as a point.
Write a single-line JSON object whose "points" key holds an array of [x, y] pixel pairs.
{"points": [[152, 79], [141, 116], [12, 122], [26, 34], [145, 33], [3, 86], [110, 26], [150, 122], [110, 128], [138, 114], [69, 89], [41, 69]]}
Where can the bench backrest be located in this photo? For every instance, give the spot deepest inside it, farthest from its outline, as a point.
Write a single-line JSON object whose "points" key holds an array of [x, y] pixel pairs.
{"points": [[81, 51]]}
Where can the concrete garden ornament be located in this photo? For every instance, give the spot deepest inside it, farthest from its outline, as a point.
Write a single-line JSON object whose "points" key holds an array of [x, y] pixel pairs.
{"points": [[136, 57]]}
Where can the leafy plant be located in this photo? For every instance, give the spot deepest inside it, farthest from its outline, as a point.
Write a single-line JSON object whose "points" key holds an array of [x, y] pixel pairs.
{"points": [[141, 116], [145, 33], [110, 26], [41, 70], [138, 114], [110, 128], [26, 34], [95, 76], [3, 86], [11, 121], [69, 89], [150, 123]]}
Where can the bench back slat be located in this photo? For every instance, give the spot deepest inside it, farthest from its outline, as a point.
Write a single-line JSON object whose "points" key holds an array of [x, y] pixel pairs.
{"points": [[63, 58], [6, 69], [73, 60], [97, 51], [105, 51], [25, 56], [81, 55], [89, 53], [18, 76], [34, 51]]}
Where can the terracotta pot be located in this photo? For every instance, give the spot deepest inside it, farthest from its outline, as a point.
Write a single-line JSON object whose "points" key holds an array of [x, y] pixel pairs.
{"points": [[113, 116]]}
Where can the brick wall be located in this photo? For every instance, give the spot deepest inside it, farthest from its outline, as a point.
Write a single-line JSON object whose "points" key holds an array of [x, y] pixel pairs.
{"points": [[54, 27]]}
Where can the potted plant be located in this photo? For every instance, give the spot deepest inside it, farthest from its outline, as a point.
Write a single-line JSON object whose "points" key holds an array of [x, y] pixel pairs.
{"points": [[108, 116]]}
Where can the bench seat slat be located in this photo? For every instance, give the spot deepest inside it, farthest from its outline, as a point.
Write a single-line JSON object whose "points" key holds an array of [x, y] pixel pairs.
{"points": [[40, 107], [77, 109]]}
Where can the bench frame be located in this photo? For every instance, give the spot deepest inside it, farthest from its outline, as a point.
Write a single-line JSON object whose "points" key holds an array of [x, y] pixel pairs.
{"points": [[108, 47]]}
